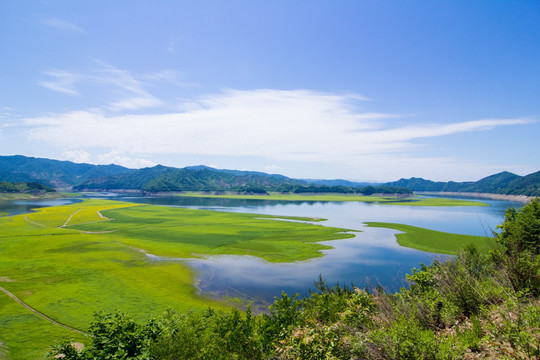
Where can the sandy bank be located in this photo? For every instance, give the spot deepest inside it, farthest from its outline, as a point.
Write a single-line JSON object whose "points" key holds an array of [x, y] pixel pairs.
{"points": [[519, 198]]}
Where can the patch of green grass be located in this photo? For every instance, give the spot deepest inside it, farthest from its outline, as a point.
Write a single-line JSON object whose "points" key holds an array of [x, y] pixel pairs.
{"points": [[26, 335], [69, 262], [179, 232], [435, 241], [384, 200]]}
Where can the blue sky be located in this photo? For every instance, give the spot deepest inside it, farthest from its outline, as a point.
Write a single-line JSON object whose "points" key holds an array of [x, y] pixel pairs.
{"points": [[360, 90]]}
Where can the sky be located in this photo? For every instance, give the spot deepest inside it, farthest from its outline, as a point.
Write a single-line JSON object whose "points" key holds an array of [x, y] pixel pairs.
{"points": [[364, 90]]}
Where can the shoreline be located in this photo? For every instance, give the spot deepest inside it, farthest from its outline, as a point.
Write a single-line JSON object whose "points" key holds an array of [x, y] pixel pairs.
{"points": [[518, 198], [35, 196]]}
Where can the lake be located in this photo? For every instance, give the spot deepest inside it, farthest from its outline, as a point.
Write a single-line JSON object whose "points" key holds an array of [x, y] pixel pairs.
{"points": [[370, 259]]}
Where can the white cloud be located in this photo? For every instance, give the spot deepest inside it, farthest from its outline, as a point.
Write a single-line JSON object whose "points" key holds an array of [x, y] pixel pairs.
{"points": [[431, 130], [118, 157], [78, 156], [134, 103], [124, 90], [63, 25], [63, 82], [297, 125], [272, 168]]}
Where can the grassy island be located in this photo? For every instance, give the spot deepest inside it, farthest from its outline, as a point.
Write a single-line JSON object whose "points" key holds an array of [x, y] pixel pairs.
{"points": [[435, 241]]}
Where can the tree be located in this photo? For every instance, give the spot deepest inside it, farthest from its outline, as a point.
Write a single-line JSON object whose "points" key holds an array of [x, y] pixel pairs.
{"points": [[520, 237]]}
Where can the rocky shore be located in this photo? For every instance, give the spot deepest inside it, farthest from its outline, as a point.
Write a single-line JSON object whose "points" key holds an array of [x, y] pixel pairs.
{"points": [[519, 198]]}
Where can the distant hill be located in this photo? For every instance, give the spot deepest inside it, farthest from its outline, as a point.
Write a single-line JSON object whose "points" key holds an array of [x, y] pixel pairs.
{"points": [[66, 175], [237, 172], [338, 182], [54, 173], [24, 187], [200, 178], [505, 183]]}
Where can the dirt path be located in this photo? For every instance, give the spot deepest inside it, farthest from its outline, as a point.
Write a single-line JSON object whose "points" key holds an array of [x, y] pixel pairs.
{"points": [[33, 222], [40, 313], [70, 216], [103, 217]]}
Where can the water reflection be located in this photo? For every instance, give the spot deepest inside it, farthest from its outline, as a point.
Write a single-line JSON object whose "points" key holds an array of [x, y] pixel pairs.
{"points": [[370, 259], [16, 207]]}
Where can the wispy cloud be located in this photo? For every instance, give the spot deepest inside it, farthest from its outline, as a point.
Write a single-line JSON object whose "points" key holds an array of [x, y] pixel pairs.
{"points": [[119, 157], [78, 156], [171, 47], [63, 25], [62, 81], [297, 125], [122, 89]]}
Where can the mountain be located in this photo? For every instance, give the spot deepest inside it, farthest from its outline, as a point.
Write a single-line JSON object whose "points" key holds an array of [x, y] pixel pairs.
{"points": [[66, 175], [505, 183], [236, 172], [338, 182], [526, 185], [495, 183], [200, 178], [54, 173], [24, 187]]}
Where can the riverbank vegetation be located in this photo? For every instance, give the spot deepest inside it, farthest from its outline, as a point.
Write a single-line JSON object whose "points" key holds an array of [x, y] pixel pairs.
{"points": [[476, 305]]}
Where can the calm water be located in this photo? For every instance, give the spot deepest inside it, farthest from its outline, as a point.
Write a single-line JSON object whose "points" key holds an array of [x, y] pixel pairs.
{"points": [[370, 259], [15, 207]]}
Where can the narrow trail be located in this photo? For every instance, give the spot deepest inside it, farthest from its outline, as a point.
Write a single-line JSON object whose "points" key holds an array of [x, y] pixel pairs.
{"points": [[33, 222], [103, 217], [40, 313], [70, 216]]}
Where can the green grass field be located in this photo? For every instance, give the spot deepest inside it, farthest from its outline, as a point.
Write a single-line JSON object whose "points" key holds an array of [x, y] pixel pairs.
{"points": [[70, 261], [435, 241], [385, 200]]}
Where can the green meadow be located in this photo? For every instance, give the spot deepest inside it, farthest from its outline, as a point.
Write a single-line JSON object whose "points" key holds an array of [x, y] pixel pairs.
{"points": [[68, 262], [385, 200], [435, 241]]}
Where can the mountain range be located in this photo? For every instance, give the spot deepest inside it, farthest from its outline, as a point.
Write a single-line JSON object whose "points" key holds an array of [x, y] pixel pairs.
{"points": [[505, 183], [66, 175]]}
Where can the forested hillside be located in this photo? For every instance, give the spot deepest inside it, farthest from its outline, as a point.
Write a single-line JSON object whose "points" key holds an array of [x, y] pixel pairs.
{"points": [[67, 175], [502, 183], [54, 173], [163, 179], [23, 187]]}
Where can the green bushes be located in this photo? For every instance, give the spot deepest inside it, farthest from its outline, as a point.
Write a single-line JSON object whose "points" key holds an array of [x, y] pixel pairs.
{"points": [[520, 238]]}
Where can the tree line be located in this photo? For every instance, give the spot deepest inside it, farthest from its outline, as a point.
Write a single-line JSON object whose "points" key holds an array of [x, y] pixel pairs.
{"points": [[22, 187]]}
